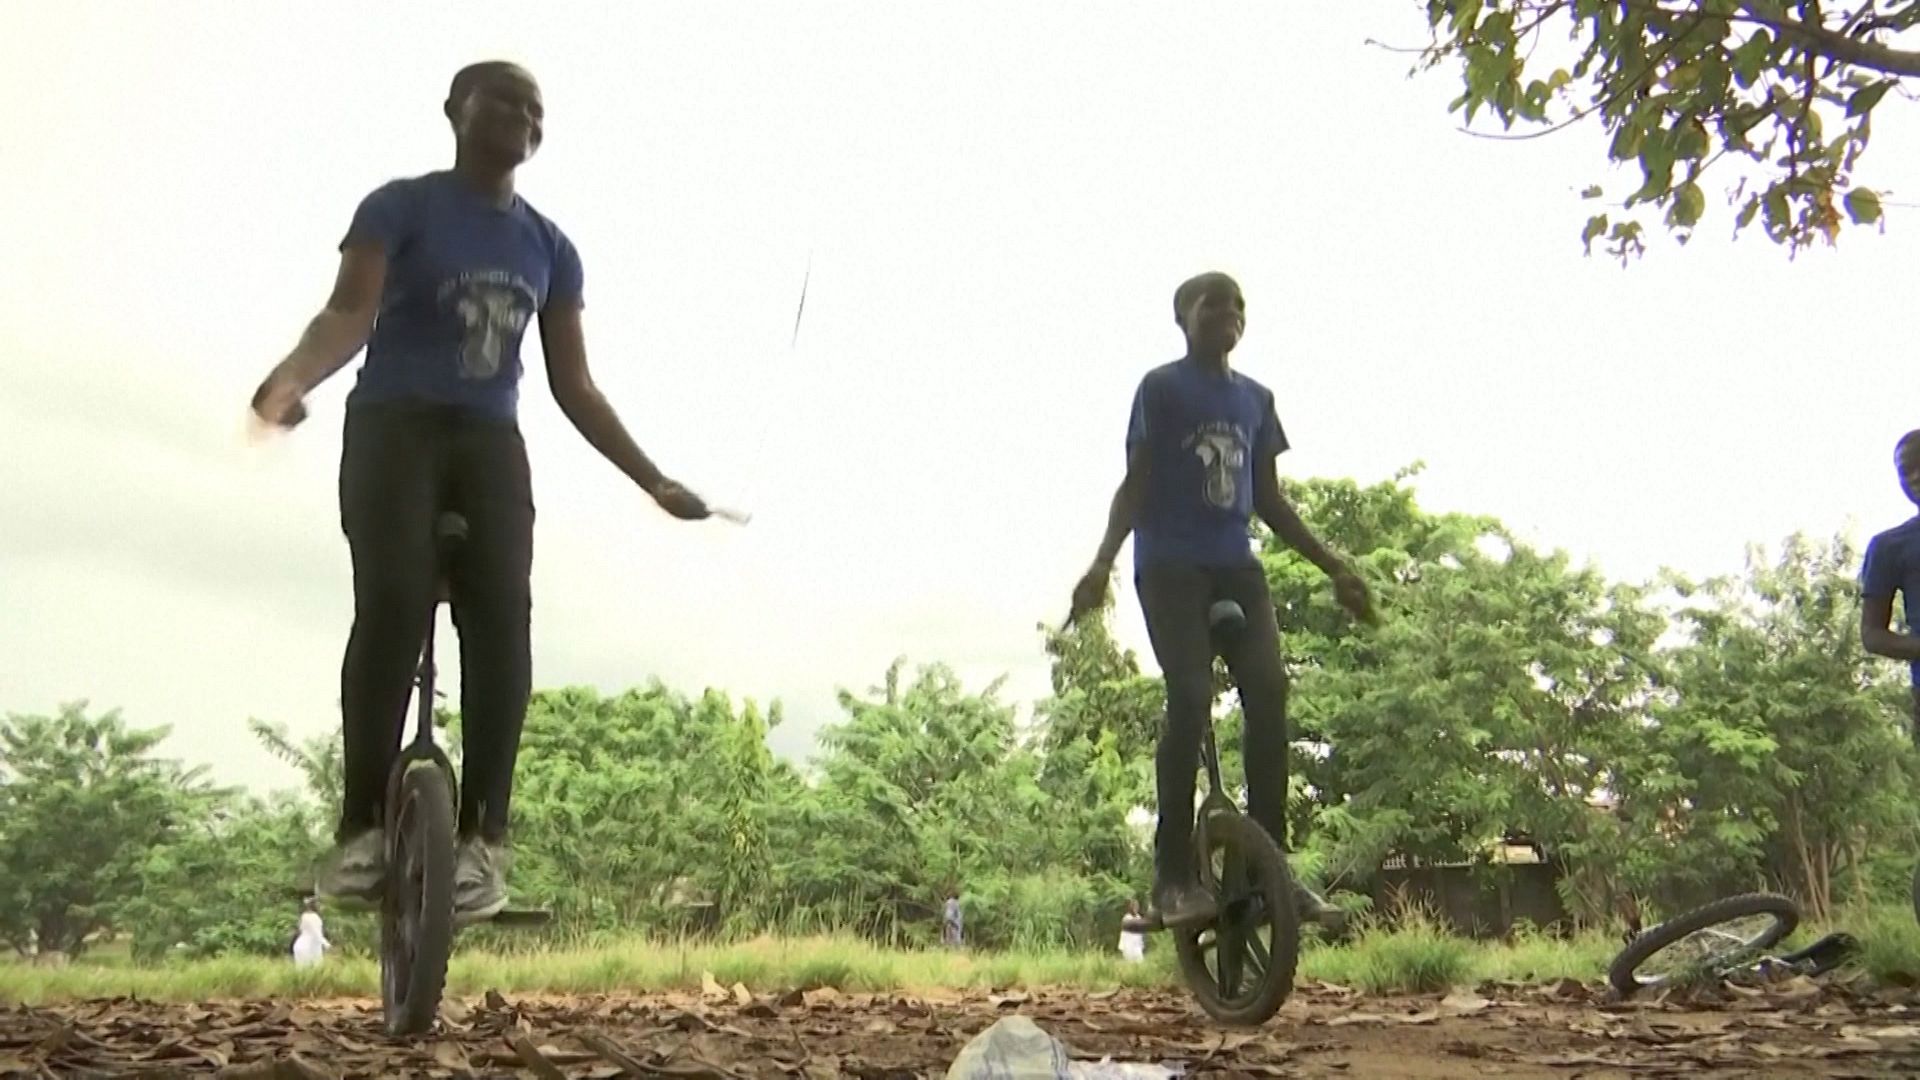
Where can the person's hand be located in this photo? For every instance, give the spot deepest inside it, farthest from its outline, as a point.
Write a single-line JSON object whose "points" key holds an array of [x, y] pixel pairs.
{"points": [[277, 401], [1090, 593], [1352, 594], [680, 502]]}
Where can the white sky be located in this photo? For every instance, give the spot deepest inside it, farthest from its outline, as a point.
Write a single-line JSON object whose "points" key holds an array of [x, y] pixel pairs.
{"points": [[997, 199]]}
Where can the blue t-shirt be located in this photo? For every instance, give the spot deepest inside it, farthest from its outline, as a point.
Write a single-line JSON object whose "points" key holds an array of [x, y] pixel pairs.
{"points": [[1203, 430], [464, 277], [1892, 566]]}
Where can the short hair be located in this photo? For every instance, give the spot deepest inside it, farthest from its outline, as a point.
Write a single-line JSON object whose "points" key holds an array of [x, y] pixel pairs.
{"points": [[1194, 286], [468, 77], [1909, 437]]}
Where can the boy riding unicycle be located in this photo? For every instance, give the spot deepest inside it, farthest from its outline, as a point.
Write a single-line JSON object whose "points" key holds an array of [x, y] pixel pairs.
{"points": [[1201, 450]]}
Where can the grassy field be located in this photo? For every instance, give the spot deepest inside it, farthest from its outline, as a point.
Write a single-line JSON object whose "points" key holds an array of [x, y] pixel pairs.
{"points": [[1412, 958]]}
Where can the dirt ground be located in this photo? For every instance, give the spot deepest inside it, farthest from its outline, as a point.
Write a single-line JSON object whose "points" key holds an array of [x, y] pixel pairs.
{"points": [[1787, 1031]]}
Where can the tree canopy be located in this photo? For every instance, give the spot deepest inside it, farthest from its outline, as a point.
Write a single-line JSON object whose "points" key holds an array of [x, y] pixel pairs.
{"points": [[1765, 106]]}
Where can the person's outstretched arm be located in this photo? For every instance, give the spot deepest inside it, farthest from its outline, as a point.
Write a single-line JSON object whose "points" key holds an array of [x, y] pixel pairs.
{"points": [[333, 337], [1271, 505], [564, 340], [1122, 512], [1124, 509]]}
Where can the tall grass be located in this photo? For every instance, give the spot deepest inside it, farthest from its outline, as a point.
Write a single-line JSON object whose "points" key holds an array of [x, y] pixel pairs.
{"points": [[1413, 956]]}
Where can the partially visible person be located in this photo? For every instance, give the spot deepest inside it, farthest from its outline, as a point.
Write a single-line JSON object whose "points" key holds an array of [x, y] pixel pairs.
{"points": [[310, 945], [1892, 569], [952, 932], [1133, 943]]}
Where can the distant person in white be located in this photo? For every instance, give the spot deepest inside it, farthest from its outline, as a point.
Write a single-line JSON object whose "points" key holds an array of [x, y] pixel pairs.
{"points": [[311, 944], [1133, 943]]}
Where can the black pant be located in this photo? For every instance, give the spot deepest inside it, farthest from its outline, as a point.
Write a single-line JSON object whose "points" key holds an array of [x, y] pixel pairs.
{"points": [[400, 466], [1175, 599]]}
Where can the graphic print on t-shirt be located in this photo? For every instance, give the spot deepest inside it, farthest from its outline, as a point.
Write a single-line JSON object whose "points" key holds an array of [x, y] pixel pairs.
{"points": [[493, 308], [1222, 450]]}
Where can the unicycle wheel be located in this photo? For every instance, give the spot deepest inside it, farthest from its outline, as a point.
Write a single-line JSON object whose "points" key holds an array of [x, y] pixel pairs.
{"points": [[1704, 942], [1241, 966], [416, 919]]}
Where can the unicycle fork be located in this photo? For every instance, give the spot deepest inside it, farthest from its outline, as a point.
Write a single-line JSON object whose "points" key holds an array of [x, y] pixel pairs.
{"points": [[416, 915]]}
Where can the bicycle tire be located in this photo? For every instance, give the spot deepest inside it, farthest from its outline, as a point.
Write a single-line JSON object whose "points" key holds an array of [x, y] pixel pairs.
{"points": [[1623, 973], [1273, 891], [416, 916]]}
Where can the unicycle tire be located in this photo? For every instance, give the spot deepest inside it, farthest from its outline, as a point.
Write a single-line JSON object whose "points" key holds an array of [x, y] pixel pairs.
{"points": [[1265, 902], [1624, 972], [416, 914]]}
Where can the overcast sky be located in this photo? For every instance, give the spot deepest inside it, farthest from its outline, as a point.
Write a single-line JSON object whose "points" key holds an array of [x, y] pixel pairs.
{"points": [[997, 200]]}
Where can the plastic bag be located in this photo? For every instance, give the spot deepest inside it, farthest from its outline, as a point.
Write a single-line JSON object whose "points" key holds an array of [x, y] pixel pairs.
{"points": [[1016, 1048]]}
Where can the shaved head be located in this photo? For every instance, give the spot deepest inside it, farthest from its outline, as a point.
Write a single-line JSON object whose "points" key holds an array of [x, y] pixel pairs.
{"points": [[1194, 287]]}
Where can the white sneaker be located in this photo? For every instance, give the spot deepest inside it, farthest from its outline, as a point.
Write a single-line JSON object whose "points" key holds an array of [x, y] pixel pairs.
{"points": [[355, 869], [479, 880]]}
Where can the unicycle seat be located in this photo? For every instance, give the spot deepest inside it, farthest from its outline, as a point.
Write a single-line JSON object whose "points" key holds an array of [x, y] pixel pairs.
{"points": [[1226, 616], [449, 529]]}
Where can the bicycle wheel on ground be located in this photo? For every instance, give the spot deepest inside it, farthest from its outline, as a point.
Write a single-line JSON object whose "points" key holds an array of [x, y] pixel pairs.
{"points": [[416, 919], [1702, 943], [1241, 966]]}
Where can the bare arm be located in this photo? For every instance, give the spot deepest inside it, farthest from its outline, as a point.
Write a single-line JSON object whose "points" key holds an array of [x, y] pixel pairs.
{"points": [[1274, 509], [564, 341], [335, 335], [1877, 635], [1124, 510]]}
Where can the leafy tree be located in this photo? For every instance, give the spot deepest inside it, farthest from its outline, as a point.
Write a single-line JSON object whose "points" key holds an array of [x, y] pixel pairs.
{"points": [[321, 759], [1786, 89], [82, 803], [225, 883], [1786, 740], [1499, 693], [627, 808], [1100, 700]]}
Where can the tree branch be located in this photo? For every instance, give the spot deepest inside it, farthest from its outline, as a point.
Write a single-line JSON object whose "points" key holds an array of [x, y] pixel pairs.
{"points": [[1832, 43]]}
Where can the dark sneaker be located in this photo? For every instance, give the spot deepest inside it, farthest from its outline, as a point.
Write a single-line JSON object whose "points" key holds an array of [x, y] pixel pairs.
{"points": [[479, 881], [1183, 904], [355, 869]]}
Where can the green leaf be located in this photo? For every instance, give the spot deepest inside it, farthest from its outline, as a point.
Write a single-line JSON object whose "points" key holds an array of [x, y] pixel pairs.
{"points": [[1592, 191], [1862, 101], [1863, 206], [1596, 228], [1779, 216], [1688, 204], [1750, 57]]}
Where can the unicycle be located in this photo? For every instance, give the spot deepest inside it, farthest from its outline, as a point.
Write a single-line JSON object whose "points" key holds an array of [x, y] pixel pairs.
{"points": [[1238, 976], [416, 908]]}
